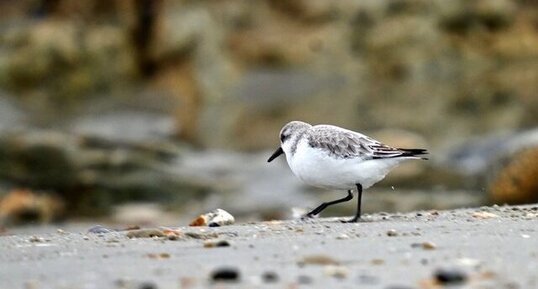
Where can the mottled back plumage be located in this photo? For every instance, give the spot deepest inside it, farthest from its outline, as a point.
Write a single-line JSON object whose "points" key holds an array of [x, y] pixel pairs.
{"points": [[342, 143]]}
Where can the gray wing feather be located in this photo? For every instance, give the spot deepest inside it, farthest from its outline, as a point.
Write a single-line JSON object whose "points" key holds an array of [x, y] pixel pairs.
{"points": [[348, 144]]}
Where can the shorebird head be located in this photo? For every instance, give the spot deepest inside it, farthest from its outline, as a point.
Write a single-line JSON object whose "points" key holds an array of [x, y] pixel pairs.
{"points": [[289, 136]]}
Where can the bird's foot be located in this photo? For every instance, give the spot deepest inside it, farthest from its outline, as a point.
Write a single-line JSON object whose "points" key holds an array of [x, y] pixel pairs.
{"points": [[355, 220], [367, 219], [308, 217]]}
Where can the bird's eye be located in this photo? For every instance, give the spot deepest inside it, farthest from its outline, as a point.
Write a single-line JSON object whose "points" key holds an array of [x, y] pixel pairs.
{"points": [[284, 137]]}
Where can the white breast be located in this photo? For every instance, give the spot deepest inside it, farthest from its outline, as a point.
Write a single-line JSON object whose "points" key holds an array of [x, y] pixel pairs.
{"points": [[318, 168]]}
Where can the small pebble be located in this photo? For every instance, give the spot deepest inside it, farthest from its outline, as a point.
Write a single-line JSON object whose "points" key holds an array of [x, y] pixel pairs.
{"points": [[317, 260], [424, 245], [470, 262], [450, 276], [225, 274], [342, 237], [145, 233], [36, 239], [392, 233], [269, 277], [158, 255], [98, 229], [216, 243], [201, 236], [172, 237], [336, 271], [215, 218], [484, 215], [377, 261], [147, 285]]}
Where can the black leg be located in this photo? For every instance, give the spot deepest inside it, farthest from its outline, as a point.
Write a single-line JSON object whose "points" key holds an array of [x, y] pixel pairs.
{"points": [[325, 205], [358, 213]]}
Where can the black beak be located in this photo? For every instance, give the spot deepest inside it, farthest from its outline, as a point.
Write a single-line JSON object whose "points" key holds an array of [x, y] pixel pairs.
{"points": [[278, 152]]}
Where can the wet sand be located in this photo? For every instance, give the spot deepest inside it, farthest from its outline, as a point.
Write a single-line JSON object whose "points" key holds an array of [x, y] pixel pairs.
{"points": [[488, 247]]}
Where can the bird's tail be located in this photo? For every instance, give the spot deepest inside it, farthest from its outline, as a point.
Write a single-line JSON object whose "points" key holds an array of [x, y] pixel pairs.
{"points": [[413, 153]]}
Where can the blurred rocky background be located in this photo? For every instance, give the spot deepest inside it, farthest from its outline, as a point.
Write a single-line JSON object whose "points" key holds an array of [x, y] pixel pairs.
{"points": [[156, 110]]}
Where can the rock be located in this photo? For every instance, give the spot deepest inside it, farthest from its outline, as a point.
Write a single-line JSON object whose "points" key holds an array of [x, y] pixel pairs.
{"points": [[24, 206], [36, 239], [40, 159], [515, 182], [491, 15], [216, 243], [317, 260], [172, 234], [468, 262], [79, 56], [450, 276], [270, 277], [392, 233], [215, 218], [98, 229], [106, 171], [336, 271], [479, 155], [484, 215], [377, 261], [145, 233], [425, 245], [342, 237], [225, 274], [147, 285], [201, 235], [316, 11], [158, 255]]}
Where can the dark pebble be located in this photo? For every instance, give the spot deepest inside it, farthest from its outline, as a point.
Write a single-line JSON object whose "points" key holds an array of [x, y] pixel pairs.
{"points": [[225, 274], [222, 243], [98, 229], [270, 277], [450, 276], [147, 285], [213, 224]]}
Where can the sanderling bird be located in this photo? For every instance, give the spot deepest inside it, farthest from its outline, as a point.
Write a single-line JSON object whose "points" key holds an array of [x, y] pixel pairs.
{"points": [[332, 157]]}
